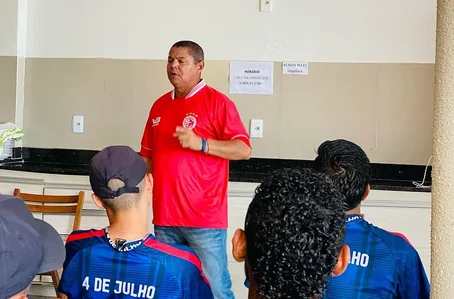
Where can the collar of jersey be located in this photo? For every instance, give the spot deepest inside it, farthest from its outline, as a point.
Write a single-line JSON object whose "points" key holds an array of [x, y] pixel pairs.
{"points": [[193, 91], [353, 217], [128, 246]]}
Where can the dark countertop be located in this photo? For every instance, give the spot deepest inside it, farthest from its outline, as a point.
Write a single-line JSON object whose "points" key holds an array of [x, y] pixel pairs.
{"points": [[393, 177]]}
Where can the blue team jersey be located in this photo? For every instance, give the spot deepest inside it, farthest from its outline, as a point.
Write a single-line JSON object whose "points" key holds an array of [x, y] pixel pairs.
{"points": [[95, 268], [382, 265]]}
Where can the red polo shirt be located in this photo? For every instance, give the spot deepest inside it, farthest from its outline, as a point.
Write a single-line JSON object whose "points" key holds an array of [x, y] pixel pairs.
{"points": [[190, 187]]}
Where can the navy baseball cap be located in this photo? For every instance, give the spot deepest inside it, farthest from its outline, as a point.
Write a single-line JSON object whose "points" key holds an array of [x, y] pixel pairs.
{"points": [[28, 246], [116, 162]]}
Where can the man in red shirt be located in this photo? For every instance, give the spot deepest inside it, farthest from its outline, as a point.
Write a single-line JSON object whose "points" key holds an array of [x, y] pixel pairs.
{"points": [[191, 134]]}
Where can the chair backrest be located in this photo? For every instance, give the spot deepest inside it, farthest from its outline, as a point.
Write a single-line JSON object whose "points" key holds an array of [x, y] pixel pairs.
{"points": [[63, 204]]}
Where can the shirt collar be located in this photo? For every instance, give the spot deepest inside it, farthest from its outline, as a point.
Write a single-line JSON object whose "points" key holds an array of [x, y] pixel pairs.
{"points": [[193, 91], [353, 217], [125, 246]]}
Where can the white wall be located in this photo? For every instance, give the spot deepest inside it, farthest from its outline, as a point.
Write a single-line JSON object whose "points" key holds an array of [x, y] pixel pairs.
{"points": [[8, 27], [325, 30]]}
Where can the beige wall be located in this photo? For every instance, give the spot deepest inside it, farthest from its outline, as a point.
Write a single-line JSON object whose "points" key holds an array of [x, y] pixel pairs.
{"points": [[7, 88], [386, 108]]}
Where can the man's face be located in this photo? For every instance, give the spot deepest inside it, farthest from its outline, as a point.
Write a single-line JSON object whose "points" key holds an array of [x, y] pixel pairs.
{"points": [[182, 70]]}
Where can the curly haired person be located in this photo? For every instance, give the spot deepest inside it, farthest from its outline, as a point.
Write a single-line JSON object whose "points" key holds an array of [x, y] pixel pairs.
{"points": [[293, 239]]}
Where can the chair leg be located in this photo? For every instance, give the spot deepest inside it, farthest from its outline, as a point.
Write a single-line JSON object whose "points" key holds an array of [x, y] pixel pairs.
{"points": [[55, 281]]}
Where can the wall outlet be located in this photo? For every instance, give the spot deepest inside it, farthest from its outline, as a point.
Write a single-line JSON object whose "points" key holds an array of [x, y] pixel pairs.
{"points": [[78, 124], [256, 129], [266, 5]]}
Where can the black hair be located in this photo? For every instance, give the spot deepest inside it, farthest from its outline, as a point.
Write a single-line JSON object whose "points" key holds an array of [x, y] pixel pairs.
{"points": [[348, 167], [295, 228], [195, 50]]}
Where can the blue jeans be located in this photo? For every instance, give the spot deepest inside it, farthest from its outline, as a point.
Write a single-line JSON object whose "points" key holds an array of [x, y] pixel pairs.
{"points": [[211, 247]]}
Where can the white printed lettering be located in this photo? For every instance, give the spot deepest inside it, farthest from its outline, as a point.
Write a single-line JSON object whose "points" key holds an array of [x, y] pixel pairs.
{"points": [[150, 292], [359, 259], [85, 283], [105, 285], [353, 218], [120, 287], [132, 290], [142, 291], [364, 260], [98, 284], [126, 288], [355, 257], [118, 290]]}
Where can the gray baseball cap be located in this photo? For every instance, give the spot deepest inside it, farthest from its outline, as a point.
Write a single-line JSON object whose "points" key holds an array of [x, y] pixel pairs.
{"points": [[28, 246], [116, 162]]}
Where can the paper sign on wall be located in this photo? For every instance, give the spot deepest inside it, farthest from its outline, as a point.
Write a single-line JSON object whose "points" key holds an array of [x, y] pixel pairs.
{"points": [[251, 77], [295, 68]]}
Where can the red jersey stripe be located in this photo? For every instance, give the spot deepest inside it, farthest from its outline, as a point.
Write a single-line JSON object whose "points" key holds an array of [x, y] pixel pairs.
{"points": [[185, 255], [85, 235]]}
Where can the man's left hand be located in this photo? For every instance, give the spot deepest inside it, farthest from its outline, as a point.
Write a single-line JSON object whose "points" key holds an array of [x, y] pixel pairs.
{"points": [[188, 139]]}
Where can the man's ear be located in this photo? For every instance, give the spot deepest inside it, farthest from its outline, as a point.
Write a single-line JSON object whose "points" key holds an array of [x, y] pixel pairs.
{"points": [[149, 182], [98, 202], [149, 187], [366, 193], [239, 247], [342, 261], [201, 65]]}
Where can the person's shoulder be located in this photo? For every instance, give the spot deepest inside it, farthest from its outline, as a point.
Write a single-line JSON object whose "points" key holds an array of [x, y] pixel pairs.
{"points": [[215, 94], [80, 240], [178, 256], [401, 236], [395, 241], [166, 97], [84, 237], [219, 99]]}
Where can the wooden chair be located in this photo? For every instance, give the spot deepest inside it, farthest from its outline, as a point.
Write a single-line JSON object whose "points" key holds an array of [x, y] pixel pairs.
{"points": [[63, 204]]}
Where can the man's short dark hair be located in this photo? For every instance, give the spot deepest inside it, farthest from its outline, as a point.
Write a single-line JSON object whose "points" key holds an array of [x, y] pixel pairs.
{"points": [[195, 50], [295, 228], [348, 167]]}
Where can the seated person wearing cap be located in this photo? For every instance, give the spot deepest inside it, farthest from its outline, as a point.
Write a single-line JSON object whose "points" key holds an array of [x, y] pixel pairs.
{"points": [[123, 259], [28, 247], [294, 236], [382, 264]]}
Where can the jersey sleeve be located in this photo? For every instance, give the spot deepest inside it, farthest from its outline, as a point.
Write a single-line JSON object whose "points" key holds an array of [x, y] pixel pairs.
{"points": [[146, 144], [229, 124], [71, 283], [70, 273], [194, 283], [414, 282], [402, 236], [197, 288]]}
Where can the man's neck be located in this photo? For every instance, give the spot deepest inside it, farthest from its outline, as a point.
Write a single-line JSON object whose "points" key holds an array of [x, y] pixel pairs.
{"points": [[356, 210], [184, 91], [129, 226]]}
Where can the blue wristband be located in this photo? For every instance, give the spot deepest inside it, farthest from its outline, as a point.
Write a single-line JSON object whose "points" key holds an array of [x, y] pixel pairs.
{"points": [[204, 145]]}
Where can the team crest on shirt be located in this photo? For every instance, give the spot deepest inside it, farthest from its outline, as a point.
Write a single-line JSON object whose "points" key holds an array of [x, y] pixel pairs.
{"points": [[190, 121]]}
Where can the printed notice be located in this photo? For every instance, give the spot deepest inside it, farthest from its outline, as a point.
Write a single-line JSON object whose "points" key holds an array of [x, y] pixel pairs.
{"points": [[295, 68], [251, 77]]}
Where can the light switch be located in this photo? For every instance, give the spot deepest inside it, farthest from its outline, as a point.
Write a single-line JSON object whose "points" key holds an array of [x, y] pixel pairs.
{"points": [[78, 123], [266, 5], [256, 128]]}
